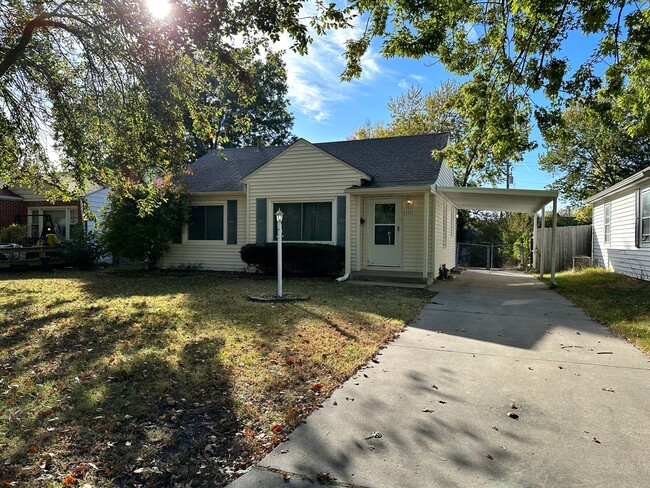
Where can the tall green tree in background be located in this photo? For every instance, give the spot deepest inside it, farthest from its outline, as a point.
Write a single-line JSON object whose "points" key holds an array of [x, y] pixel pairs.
{"points": [[256, 113], [589, 150], [105, 92], [513, 49], [474, 157]]}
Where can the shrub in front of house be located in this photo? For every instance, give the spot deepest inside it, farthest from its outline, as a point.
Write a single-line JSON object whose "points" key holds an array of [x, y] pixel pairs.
{"points": [[14, 234], [299, 259], [83, 250]]}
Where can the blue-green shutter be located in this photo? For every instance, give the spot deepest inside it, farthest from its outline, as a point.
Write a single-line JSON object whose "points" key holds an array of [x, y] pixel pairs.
{"points": [[340, 220], [260, 220], [232, 222]]}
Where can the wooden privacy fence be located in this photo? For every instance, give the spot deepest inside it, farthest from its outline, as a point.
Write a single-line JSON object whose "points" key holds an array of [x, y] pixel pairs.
{"points": [[570, 242]]}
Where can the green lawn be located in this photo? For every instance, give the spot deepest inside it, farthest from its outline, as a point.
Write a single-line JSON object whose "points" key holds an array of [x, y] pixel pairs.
{"points": [[620, 302], [124, 379]]}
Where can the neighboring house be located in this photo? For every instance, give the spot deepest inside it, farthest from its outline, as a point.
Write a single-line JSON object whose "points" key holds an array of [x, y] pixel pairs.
{"points": [[96, 200], [376, 197], [621, 226], [22, 206]]}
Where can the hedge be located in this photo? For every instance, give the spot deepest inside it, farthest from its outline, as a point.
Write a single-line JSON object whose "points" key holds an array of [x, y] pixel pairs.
{"points": [[298, 259]]}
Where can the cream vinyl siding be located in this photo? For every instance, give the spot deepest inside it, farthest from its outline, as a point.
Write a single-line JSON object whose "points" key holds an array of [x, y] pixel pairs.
{"points": [[355, 240], [620, 254], [446, 255], [445, 176], [303, 173], [214, 255], [413, 234]]}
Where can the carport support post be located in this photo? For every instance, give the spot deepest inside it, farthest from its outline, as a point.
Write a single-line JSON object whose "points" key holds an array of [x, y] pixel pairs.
{"points": [[535, 248], [553, 236], [542, 244]]}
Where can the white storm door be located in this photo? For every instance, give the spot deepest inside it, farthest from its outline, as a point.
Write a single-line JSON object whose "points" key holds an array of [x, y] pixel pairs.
{"points": [[384, 241]]}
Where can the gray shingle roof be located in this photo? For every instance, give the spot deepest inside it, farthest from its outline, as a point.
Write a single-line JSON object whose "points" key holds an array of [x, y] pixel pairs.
{"points": [[391, 161]]}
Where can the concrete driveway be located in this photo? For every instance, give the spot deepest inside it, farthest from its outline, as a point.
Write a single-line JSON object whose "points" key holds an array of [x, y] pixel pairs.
{"points": [[489, 342]]}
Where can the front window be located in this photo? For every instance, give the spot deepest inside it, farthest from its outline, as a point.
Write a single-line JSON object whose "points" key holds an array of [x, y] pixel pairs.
{"points": [[608, 222], [309, 221], [206, 223], [645, 216]]}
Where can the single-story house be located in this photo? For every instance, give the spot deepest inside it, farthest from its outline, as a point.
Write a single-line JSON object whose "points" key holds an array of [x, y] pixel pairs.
{"points": [[621, 226], [375, 197]]}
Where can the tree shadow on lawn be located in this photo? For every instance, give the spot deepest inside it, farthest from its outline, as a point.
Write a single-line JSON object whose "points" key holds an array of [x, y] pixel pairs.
{"points": [[146, 360]]}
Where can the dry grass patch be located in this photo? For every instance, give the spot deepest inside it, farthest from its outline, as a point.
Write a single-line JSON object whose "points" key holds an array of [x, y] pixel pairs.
{"points": [[620, 302], [133, 379]]}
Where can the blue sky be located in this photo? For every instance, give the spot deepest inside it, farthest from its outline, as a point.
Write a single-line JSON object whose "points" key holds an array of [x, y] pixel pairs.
{"points": [[327, 109]]}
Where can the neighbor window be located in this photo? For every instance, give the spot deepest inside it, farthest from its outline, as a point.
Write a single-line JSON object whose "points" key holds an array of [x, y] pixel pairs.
{"points": [[645, 216], [310, 221], [206, 223], [608, 222], [59, 220]]}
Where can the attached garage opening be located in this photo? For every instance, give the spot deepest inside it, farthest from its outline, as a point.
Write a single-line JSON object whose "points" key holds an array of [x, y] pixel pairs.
{"points": [[510, 200]]}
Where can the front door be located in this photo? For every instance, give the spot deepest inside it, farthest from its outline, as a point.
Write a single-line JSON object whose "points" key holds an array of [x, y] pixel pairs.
{"points": [[384, 241]]}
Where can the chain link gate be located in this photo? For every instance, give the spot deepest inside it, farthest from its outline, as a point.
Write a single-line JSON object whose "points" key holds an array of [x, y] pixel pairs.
{"points": [[482, 256]]}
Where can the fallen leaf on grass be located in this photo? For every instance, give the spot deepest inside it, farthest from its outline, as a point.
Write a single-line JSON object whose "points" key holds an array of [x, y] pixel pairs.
{"points": [[248, 432], [32, 450], [69, 481], [276, 428], [80, 469], [316, 387]]}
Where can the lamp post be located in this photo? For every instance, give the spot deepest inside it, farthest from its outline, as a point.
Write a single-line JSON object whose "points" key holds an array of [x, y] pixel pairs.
{"points": [[278, 217]]}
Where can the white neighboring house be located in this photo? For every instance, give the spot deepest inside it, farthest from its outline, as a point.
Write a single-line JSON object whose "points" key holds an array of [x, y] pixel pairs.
{"points": [[621, 222], [96, 200]]}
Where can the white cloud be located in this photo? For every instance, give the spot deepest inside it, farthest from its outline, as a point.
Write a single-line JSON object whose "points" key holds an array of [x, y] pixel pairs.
{"points": [[418, 78], [404, 85], [313, 80]]}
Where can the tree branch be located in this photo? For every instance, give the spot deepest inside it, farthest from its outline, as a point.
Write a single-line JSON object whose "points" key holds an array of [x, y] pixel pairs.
{"points": [[15, 53]]}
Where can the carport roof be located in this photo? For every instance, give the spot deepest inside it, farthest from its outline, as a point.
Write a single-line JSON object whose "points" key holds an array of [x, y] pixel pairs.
{"points": [[497, 199]]}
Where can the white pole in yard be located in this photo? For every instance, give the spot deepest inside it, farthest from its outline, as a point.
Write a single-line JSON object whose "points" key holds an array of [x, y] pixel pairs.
{"points": [[278, 218]]}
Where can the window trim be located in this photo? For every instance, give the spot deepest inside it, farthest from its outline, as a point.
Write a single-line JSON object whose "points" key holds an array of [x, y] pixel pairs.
{"points": [[270, 217], [206, 242], [644, 193], [607, 222], [43, 210]]}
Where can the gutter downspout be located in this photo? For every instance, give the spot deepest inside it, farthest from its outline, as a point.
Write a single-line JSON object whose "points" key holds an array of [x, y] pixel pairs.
{"points": [[348, 250]]}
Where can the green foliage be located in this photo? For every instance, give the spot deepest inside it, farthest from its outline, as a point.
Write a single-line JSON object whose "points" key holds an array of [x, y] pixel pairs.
{"points": [[14, 234], [128, 232], [84, 249], [252, 114], [478, 150], [120, 96], [590, 149], [508, 51], [298, 259], [512, 229]]}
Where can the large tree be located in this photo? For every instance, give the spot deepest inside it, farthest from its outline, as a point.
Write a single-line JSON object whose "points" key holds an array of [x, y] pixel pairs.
{"points": [[513, 48], [589, 150], [475, 156], [256, 113], [104, 91]]}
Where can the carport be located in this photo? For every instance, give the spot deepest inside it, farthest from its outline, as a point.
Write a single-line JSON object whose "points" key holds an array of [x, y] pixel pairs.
{"points": [[511, 200]]}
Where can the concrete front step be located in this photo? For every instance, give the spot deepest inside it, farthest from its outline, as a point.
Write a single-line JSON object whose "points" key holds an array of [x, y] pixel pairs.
{"points": [[388, 276]]}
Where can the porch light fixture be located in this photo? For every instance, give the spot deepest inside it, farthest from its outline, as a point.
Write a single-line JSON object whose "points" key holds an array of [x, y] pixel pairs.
{"points": [[409, 202], [278, 217]]}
